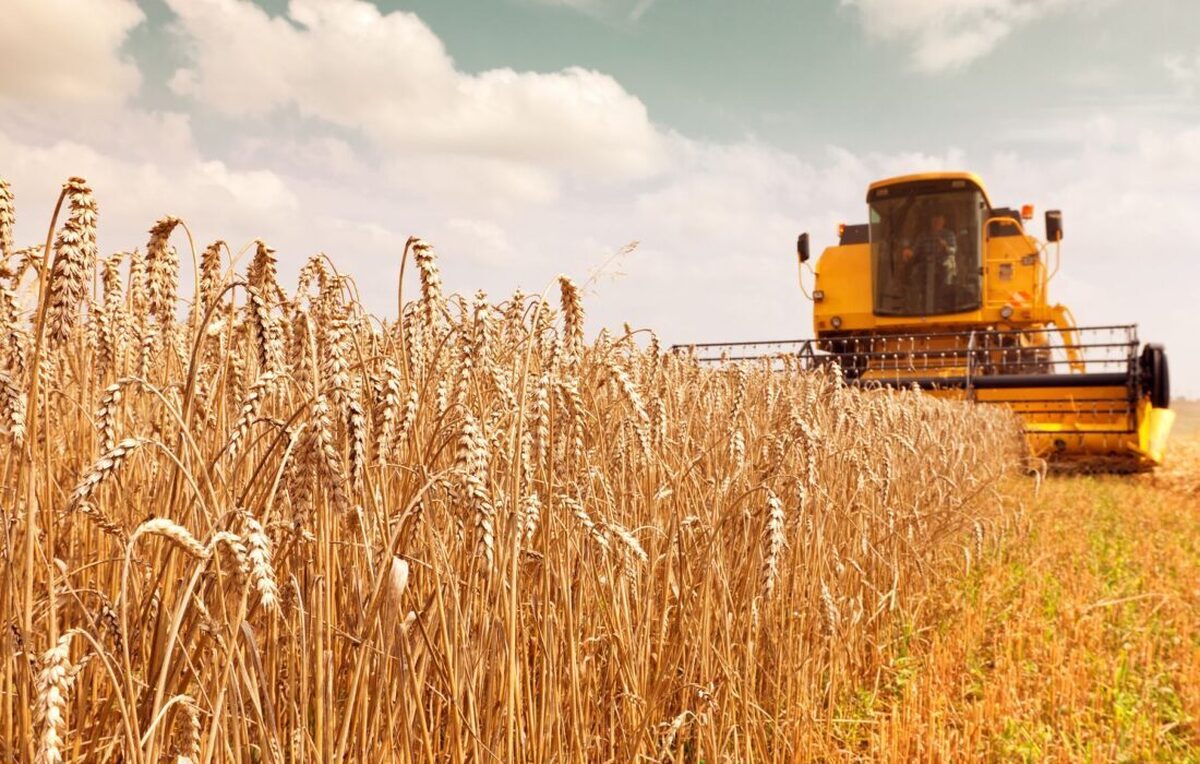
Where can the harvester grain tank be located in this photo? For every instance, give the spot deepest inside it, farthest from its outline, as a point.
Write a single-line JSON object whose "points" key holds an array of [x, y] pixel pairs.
{"points": [[942, 290]]}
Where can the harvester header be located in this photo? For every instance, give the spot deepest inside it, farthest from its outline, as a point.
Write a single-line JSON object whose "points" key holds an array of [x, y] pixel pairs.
{"points": [[943, 290]]}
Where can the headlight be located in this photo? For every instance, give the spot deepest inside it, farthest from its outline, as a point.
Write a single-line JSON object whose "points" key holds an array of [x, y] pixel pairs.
{"points": [[837, 321], [1006, 312], [818, 295]]}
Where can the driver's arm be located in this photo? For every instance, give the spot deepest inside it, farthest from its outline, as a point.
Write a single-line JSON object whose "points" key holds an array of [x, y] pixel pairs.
{"points": [[950, 240]]}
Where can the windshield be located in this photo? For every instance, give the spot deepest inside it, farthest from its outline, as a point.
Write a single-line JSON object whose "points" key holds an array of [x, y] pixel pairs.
{"points": [[925, 252]]}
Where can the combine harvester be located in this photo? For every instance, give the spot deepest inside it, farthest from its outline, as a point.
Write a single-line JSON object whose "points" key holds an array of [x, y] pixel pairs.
{"points": [[946, 292]]}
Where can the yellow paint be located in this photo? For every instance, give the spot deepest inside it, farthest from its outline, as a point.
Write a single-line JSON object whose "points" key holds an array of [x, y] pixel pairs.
{"points": [[1154, 430], [900, 180]]}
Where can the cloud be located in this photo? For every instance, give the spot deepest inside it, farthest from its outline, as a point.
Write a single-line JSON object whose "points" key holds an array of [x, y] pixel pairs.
{"points": [[629, 10], [388, 77], [717, 258], [640, 9], [579, 5], [943, 35], [132, 193], [1184, 71], [483, 240], [67, 53]]}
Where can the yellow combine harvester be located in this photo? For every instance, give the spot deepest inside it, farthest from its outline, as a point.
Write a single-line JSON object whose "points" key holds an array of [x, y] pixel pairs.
{"points": [[945, 291]]}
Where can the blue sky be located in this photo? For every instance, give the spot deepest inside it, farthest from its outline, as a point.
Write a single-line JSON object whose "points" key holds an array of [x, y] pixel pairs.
{"points": [[530, 137]]}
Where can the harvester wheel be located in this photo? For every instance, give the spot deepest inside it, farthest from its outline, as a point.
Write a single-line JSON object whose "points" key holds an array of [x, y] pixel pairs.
{"points": [[1156, 376]]}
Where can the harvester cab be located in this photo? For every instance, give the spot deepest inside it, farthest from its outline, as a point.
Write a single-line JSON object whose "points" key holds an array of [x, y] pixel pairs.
{"points": [[942, 290]]}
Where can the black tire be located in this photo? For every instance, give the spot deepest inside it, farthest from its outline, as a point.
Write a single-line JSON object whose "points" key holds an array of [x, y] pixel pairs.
{"points": [[1156, 376]]}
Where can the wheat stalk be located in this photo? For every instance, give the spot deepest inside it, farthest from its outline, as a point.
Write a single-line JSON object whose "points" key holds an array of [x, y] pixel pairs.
{"points": [[418, 551]]}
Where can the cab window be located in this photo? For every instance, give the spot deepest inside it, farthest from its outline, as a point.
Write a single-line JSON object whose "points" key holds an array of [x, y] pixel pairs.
{"points": [[925, 252]]}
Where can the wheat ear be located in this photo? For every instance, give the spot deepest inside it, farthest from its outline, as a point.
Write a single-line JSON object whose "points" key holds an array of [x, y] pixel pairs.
{"points": [[104, 468], [773, 542], [53, 683]]}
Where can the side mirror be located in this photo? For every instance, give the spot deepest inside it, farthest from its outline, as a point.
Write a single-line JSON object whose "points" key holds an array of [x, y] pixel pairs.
{"points": [[1054, 229], [802, 247]]}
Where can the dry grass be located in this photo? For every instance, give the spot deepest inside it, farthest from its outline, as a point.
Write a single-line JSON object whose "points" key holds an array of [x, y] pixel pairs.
{"points": [[275, 528], [1187, 422]]}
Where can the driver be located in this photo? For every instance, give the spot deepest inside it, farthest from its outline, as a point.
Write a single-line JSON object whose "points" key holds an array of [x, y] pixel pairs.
{"points": [[937, 246]]}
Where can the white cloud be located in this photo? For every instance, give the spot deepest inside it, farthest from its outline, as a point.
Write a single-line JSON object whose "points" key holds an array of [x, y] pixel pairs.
{"points": [[133, 193], [481, 240], [640, 9], [1184, 71], [388, 76], [317, 156], [717, 258], [67, 53], [948, 34], [579, 5], [630, 10]]}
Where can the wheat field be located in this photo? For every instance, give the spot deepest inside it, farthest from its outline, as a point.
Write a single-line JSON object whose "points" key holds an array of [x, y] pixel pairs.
{"points": [[254, 523]]}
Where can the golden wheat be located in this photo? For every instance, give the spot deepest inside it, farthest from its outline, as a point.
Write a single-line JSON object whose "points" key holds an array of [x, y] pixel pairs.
{"points": [[465, 535]]}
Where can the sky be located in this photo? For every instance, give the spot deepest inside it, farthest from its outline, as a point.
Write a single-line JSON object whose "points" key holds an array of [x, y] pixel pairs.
{"points": [[528, 138]]}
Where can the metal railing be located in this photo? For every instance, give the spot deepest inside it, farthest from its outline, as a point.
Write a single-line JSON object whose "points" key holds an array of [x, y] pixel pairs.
{"points": [[1000, 358]]}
